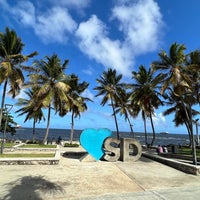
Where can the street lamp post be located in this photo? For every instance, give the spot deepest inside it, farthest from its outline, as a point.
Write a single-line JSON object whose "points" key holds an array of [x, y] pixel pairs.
{"points": [[8, 107], [197, 134]]}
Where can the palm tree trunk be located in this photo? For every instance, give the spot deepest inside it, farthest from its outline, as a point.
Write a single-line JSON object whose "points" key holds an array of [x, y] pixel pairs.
{"points": [[194, 155], [189, 134], [197, 93], [33, 138], [131, 126], [189, 119], [197, 134], [3, 101], [145, 127], [72, 128], [152, 125], [116, 124], [48, 124]]}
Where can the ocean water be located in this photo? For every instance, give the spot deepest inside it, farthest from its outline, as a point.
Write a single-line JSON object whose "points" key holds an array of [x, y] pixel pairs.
{"points": [[161, 139]]}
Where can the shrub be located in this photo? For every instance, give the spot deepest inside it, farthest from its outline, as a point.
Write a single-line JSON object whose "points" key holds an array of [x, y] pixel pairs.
{"points": [[71, 145], [31, 142]]}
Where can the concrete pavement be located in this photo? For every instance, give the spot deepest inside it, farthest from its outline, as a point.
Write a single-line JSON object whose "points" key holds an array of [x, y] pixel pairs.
{"points": [[75, 180], [190, 193]]}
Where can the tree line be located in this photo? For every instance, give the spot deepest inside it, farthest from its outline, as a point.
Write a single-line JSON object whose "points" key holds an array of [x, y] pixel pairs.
{"points": [[172, 80]]}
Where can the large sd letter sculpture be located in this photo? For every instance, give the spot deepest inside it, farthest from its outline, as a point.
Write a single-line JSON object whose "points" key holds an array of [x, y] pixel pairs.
{"points": [[112, 149], [99, 144]]}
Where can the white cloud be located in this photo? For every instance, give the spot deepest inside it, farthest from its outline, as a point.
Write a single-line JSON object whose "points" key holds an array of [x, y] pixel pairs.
{"points": [[25, 13], [22, 94], [78, 4], [4, 4], [159, 119], [141, 23], [87, 93], [55, 25], [89, 71], [95, 43], [139, 26], [51, 25]]}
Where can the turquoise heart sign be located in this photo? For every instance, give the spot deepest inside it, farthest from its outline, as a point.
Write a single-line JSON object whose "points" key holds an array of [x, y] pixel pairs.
{"points": [[92, 141]]}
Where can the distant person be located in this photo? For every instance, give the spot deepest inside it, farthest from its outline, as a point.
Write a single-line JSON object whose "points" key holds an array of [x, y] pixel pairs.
{"points": [[165, 150], [59, 140], [159, 149]]}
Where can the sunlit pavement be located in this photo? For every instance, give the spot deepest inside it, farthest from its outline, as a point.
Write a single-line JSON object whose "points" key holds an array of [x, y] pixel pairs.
{"points": [[71, 179]]}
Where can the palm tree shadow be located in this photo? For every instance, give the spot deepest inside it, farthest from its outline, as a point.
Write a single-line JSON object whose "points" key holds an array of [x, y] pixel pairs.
{"points": [[74, 155], [31, 187]]}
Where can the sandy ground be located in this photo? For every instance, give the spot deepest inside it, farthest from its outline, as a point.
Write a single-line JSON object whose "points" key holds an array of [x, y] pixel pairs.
{"points": [[72, 179]]}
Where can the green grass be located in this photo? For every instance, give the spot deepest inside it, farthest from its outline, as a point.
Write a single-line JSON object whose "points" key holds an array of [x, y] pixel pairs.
{"points": [[188, 151], [38, 146], [30, 145], [71, 145], [9, 144], [23, 155]]}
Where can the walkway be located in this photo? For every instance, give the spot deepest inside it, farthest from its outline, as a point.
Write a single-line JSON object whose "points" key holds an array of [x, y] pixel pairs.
{"points": [[73, 180]]}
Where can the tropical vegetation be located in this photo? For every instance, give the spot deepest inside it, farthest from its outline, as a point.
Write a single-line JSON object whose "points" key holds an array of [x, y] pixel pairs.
{"points": [[28, 108], [109, 86], [178, 70], [76, 103], [27, 155], [51, 86], [125, 108], [8, 123], [173, 80], [145, 95], [11, 64]]}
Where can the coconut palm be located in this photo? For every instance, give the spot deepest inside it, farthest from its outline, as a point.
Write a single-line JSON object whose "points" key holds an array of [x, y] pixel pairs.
{"points": [[177, 80], [124, 107], [192, 70], [145, 94], [172, 67], [11, 68], [193, 66], [76, 102], [52, 86], [76, 109], [10, 125], [177, 108], [28, 108], [109, 87]]}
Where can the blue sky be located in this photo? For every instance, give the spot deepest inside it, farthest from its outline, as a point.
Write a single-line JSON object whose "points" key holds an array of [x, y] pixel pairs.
{"points": [[97, 34]]}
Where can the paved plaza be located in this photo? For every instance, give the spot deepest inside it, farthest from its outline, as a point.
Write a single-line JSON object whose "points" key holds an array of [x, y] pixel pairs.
{"points": [[73, 180]]}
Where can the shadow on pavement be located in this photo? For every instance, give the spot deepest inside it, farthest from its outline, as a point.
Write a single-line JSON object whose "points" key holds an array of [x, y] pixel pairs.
{"points": [[74, 155], [29, 187], [146, 160]]}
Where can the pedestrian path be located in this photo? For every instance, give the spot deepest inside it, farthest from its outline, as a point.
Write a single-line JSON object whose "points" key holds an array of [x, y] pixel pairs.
{"points": [[190, 193], [144, 179]]}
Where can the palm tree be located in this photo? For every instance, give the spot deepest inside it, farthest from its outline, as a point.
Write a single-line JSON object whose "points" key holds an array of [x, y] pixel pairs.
{"points": [[124, 107], [177, 81], [76, 102], [177, 108], [145, 94], [10, 125], [11, 68], [172, 67], [75, 112], [52, 86], [193, 64], [175, 77], [110, 86], [28, 108]]}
